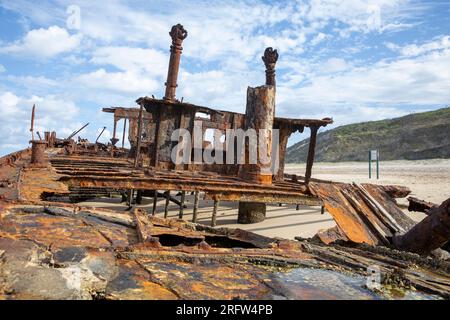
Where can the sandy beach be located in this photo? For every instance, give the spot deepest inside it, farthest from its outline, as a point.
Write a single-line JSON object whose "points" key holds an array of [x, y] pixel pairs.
{"points": [[428, 179]]}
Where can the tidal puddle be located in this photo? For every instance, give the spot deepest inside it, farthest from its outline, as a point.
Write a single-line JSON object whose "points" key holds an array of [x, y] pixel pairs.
{"points": [[315, 284]]}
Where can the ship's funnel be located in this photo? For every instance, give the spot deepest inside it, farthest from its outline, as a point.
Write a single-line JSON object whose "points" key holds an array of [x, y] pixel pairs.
{"points": [[178, 34]]}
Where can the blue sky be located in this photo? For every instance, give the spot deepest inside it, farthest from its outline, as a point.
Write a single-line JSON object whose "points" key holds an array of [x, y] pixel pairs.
{"points": [[352, 60]]}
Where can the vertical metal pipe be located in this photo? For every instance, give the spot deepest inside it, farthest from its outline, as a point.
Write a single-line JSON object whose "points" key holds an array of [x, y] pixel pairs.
{"points": [[196, 201], [155, 202], [139, 138], [114, 131], [183, 197], [214, 215], [124, 130], [178, 34], [311, 153], [378, 164], [166, 206]]}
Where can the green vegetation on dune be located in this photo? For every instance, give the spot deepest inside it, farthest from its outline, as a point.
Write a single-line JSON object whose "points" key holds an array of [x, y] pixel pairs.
{"points": [[416, 136]]}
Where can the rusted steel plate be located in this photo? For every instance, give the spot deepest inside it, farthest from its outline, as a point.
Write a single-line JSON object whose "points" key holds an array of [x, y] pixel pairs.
{"points": [[365, 214], [343, 212], [420, 205], [382, 197], [35, 181], [42, 251], [331, 235], [430, 234]]}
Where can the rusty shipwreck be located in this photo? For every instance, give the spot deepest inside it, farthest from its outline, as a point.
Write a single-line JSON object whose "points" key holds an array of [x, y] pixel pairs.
{"points": [[53, 248]]}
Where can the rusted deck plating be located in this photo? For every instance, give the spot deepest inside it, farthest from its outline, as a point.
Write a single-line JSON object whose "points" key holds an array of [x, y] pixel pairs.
{"points": [[64, 252]]}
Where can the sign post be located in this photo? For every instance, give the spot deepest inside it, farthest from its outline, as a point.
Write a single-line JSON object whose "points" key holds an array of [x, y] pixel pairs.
{"points": [[374, 155]]}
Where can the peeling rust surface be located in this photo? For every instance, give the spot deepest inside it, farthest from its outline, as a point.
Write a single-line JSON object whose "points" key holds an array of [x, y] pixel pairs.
{"points": [[42, 248], [364, 214]]}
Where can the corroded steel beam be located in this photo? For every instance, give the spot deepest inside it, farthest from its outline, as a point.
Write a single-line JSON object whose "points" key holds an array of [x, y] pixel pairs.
{"points": [[431, 233], [420, 205]]}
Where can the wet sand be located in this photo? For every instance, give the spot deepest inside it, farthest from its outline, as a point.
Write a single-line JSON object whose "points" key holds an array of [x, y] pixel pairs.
{"points": [[429, 180]]}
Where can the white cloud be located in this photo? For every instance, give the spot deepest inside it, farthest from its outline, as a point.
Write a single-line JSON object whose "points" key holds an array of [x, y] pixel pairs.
{"points": [[371, 92], [137, 59], [2, 68], [128, 81], [52, 114], [320, 37], [8, 104], [44, 43], [413, 50], [334, 65]]}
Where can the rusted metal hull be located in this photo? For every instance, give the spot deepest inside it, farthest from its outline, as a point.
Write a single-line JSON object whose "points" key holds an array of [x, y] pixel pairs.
{"points": [[431, 233]]}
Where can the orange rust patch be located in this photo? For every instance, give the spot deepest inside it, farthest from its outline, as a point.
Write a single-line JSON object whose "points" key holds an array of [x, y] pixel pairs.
{"points": [[35, 181]]}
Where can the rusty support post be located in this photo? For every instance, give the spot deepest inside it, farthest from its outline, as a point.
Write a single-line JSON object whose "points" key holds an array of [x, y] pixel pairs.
{"points": [[114, 139], [124, 131], [139, 197], [139, 138], [166, 206], [178, 34], [284, 134], [430, 234], [38, 153], [270, 59], [311, 153], [214, 215], [155, 202], [196, 201], [251, 212], [183, 197], [259, 116], [129, 197]]}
